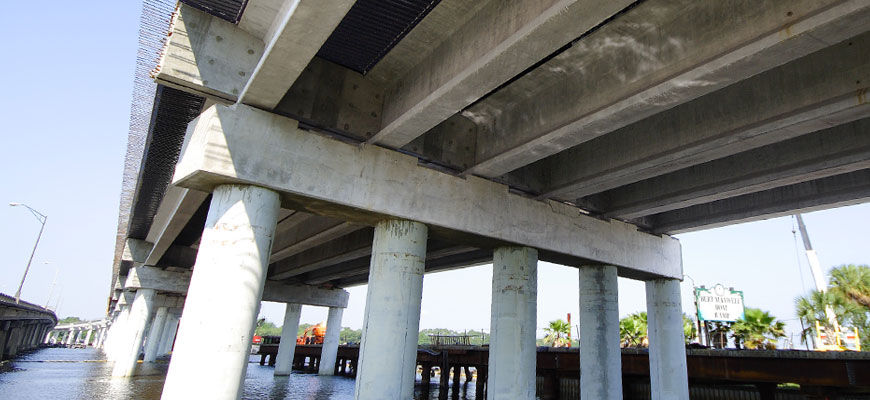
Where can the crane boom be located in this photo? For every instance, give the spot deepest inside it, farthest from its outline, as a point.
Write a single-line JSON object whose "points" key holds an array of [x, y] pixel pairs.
{"points": [[816, 270]]}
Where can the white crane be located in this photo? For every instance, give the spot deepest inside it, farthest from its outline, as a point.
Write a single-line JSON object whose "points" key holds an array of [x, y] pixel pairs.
{"points": [[816, 270]]}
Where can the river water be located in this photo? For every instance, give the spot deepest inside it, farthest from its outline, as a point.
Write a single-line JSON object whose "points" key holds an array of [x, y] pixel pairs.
{"points": [[59, 373]]}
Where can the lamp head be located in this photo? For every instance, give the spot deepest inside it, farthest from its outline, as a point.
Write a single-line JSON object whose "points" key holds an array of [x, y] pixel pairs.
{"points": [[14, 204]]}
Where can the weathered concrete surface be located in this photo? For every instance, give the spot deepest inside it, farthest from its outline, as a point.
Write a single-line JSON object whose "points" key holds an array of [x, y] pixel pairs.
{"points": [[134, 333], [152, 346], [841, 149], [207, 56], [835, 191], [655, 56], [366, 184], [175, 211], [667, 348], [287, 346], [305, 294], [498, 42], [329, 350], [294, 37], [600, 356], [164, 280], [388, 351], [514, 317], [818, 91], [224, 297]]}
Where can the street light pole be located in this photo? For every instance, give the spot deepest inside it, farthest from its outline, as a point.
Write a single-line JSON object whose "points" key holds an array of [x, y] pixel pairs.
{"points": [[42, 218]]}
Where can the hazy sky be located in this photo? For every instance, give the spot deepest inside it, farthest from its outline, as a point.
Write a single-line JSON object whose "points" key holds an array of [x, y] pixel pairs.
{"points": [[67, 73]]}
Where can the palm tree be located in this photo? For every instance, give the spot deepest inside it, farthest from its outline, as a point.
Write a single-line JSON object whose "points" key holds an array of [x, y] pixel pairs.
{"points": [[689, 329], [851, 282], [557, 333], [633, 330], [757, 329]]}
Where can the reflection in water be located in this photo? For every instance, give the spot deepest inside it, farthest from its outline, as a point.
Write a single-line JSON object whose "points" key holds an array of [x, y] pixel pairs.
{"points": [[83, 374]]}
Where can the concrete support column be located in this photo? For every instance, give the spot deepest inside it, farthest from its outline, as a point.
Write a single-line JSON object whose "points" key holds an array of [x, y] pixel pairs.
{"points": [[168, 334], [128, 352], [514, 318], [88, 336], [388, 352], [70, 336], [330, 341], [101, 338], [118, 333], [287, 347], [220, 313], [667, 348], [48, 337], [153, 343], [600, 356]]}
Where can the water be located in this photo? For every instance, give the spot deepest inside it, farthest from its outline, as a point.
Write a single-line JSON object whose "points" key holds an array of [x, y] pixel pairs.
{"points": [[59, 373]]}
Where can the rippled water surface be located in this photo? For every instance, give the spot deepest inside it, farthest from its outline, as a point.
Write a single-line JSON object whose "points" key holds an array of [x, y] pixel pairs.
{"points": [[83, 374]]}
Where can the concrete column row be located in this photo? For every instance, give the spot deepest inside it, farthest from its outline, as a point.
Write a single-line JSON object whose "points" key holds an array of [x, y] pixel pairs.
{"points": [[227, 284]]}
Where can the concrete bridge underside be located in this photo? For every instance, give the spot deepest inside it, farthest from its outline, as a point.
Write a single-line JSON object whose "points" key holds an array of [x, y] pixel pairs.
{"points": [[295, 148]]}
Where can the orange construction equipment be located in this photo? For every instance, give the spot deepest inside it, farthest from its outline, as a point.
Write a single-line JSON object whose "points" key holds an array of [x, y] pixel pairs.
{"points": [[317, 333]]}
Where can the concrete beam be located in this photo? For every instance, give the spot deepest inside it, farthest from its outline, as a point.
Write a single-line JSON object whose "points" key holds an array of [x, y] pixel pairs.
{"points": [[829, 152], [163, 280], [175, 211], [304, 294], [315, 232], [136, 251], [835, 191], [207, 56], [821, 90], [298, 31], [366, 184], [501, 40], [651, 58], [352, 246]]}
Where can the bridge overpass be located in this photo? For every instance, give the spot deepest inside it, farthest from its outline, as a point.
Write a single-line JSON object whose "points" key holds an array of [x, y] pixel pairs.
{"points": [[23, 326], [283, 150]]}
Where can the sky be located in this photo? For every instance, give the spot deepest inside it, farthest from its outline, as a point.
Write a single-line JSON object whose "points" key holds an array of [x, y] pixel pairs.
{"points": [[68, 73]]}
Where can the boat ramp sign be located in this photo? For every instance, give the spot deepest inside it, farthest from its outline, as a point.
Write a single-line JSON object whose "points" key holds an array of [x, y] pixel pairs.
{"points": [[719, 304]]}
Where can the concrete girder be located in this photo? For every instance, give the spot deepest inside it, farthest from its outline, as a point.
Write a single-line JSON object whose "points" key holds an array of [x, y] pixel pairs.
{"points": [[366, 184], [651, 58], [834, 191], [817, 91], [498, 42], [258, 17], [315, 232], [207, 56], [175, 211], [352, 246], [828, 152], [298, 31]]}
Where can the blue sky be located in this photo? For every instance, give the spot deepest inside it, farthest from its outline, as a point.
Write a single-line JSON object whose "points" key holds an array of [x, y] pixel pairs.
{"points": [[68, 71]]}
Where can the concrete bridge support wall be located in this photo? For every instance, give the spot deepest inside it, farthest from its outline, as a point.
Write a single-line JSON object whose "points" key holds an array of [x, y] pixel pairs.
{"points": [[220, 313], [514, 318], [88, 336], [330, 342], [667, 349], [388, 352], [600, 356], [154, 335], [128, 351], [287, 347], [168, 335]]}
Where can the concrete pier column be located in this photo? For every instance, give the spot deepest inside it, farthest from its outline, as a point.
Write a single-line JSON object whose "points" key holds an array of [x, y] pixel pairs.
{"points": [[128, 351], [667, 348], [287, 347], [118, 333], [153, 343], [220, 312], [388, 352], [600, 356], [48, 337], [168, 334], [330, 341], [88, 336], [514, 318], [70, 336]]}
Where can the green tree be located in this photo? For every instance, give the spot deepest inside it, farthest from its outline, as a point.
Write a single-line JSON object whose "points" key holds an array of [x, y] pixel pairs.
{"points": [[349, 336], [266, 328], [757, 329], [690, 330], [847, 296], [851, 282], [70, 320], [557, 333], [633, 330]]}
